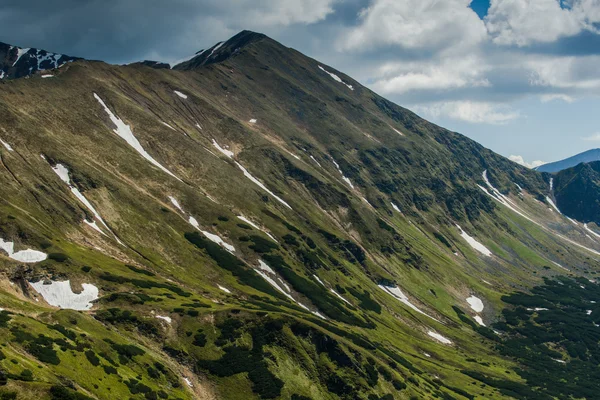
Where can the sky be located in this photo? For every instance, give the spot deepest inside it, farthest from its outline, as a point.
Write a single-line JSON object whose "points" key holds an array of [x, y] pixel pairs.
{"points": [[521, 77]]}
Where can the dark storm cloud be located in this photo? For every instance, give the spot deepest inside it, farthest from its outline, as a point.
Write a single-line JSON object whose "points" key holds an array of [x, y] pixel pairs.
{"points": [[128, 30]]}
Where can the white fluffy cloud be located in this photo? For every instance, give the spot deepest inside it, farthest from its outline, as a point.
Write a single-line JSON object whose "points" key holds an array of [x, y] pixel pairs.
{"points": [[593, 138], [524, 22], [448, 73], [416, 24], [470, 111], [520, 160]]}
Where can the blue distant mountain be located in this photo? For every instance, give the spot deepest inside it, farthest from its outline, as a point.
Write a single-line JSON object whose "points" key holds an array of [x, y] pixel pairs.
{"points": [[585, 157]]}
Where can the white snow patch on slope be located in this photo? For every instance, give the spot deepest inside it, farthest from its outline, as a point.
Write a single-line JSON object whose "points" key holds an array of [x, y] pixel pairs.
{"points": [[395, 207], [217, 239], [194, 222], [398, 132], [340, 297], [20, 53], [176, 204], [63, 173], [178, 93], [124, 131], [315, 160], [318, 279], [253, 121], [587, 228], [439, 337], [25, 256], [505, 201], [224, 289], [168, 126], [8, 147], [336, 78], [226, 152], [94, 225], [47, 76], [164, 318], [479, 320], [554, 206], [259, 184], [474, 243], [399, 295], [263, 266], [342, 174], [188, 382], [60, 294], [475, 303], [255, 226]]}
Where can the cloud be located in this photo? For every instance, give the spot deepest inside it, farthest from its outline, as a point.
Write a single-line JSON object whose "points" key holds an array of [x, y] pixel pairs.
{"points": [[525, 22], [593, 138], [420, 24], [545, 98], [124, 31], [470, 111], [520, 160], [401, 77]]}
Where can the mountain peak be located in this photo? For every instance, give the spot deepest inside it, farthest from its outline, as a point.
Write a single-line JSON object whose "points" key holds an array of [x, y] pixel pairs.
{"points": [[222, 50], [18, 62]]}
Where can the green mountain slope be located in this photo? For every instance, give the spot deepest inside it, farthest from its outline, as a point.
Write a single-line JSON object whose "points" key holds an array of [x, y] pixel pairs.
{"points": [[577, 192], [259, 225]]}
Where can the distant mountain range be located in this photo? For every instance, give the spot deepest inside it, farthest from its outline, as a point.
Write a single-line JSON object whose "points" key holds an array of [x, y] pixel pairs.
{"points": [[585, 157]]}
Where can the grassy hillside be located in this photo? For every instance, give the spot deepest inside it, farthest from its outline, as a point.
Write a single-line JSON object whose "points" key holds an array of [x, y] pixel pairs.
{"points": [[258, 228]]}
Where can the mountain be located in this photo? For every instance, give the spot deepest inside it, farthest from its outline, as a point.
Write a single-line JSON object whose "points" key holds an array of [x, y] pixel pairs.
{"points": [[17, 62], [254, 224], [577, 192], [585, 157]]}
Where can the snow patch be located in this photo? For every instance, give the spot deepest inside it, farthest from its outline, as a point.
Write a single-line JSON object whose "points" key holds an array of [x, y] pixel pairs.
{"points": [[399, 295], [226, 152], [194, 222], [20, 53], [167, 319], [47, 76], [255, 226], [263, 266], [336, 78], [253, 121], [587, 228], [63, 173], [168, 126], [479, 320], [475, 303], [60, 294], [259, 184], [217, 239], [8, 147], [395, 207], [224, 289], [474, 243], [315, 160], [176, 204], [124, 132], [342, 174], [439, 337], [25, 256], [188, 382], [178, 93]]}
